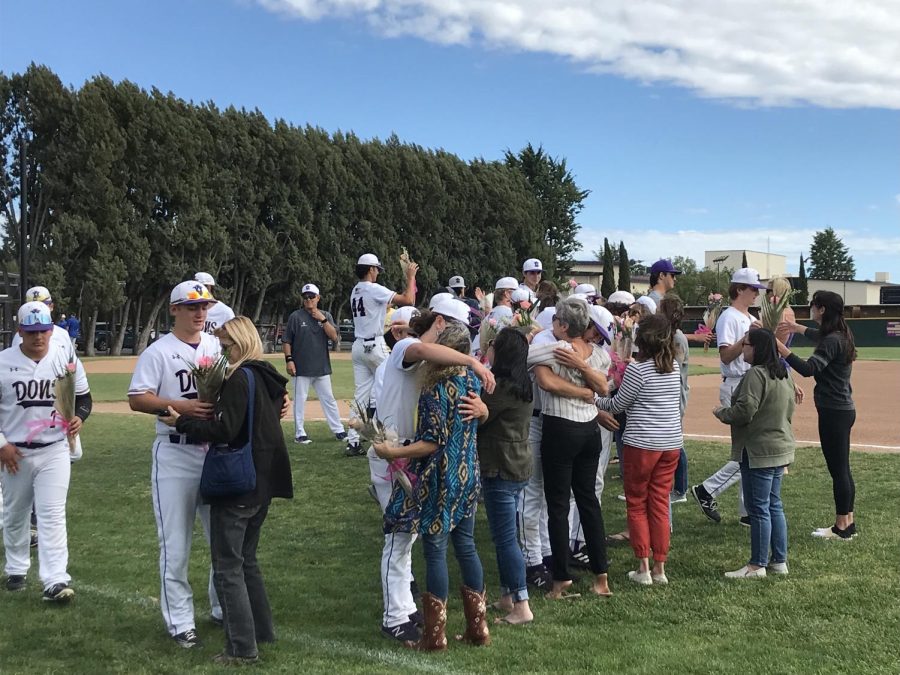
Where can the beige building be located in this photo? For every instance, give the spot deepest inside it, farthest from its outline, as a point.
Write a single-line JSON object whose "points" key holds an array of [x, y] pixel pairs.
{"points": [[591, 272], [767, 264], [853, 292]]}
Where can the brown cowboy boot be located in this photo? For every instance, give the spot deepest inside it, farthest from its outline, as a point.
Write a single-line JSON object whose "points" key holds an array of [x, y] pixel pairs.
{"points": [[433, 637], [475, 608]]}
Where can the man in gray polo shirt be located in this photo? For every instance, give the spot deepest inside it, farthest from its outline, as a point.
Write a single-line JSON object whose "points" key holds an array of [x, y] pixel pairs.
{"points": [[306, 352]]}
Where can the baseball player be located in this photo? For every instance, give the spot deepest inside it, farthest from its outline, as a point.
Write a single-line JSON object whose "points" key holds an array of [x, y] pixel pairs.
{"points": [[532, 269], [369, 302], [305, 348], [218, 312], [162, 378], [34, 452]]}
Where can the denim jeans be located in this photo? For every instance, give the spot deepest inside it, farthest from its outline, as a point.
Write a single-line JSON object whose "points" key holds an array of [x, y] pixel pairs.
{"points": [[434, 546], [681, 474], [234, 536], [768, 526], [500, 498]]}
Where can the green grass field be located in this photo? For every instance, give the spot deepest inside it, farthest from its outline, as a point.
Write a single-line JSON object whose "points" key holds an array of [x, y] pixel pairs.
{"points": [[865, 353], [836, 613]]}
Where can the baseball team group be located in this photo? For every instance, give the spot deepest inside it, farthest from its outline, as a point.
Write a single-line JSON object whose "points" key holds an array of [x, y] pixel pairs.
{"points": [[518, 400]]}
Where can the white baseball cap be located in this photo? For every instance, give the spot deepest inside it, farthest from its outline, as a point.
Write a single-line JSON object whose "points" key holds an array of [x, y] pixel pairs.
{"points": [[457, 282], [370, 260], [403, 315], [205, 279], [647, 302], [520, 295], [437, 297], [545, 318], [532, 265], [747, 276], [190, 293], [621, 297], [451, 308], [310, 288], [506, 282], [38, 294], [35, 316], [603, 320], [585, 289]]}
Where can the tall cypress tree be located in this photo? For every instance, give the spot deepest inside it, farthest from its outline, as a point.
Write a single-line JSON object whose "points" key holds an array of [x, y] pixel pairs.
{"points": [[744, 261], [801, 295], [608, 285], [624, 269]]}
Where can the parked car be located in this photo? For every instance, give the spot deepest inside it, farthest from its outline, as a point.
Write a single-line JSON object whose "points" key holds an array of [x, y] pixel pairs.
{"points": [[104, 339]]}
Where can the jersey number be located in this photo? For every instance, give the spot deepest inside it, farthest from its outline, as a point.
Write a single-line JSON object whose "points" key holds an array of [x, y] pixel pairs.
{"points": [[357, 307]]}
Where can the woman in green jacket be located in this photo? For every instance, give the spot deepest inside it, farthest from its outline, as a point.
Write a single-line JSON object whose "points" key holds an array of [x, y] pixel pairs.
{"points": [[763, 442]]}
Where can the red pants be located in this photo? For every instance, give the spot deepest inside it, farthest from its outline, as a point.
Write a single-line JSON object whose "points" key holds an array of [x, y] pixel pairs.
{"points": [[648, 477]]}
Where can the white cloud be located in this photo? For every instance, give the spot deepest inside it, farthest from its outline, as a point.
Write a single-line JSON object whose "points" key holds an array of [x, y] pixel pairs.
{"points": [[767, 52]]}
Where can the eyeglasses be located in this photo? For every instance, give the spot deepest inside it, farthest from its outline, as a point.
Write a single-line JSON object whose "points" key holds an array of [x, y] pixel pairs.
{"points": [[308, 296]]}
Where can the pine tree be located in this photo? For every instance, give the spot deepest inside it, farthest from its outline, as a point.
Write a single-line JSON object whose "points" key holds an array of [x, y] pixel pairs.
{"points": [[608, 285], [624, 269], [801, 294], [829, 258], [744, 261]]}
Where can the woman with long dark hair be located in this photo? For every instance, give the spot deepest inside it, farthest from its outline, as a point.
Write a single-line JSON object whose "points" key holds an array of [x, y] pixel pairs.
{"points": [[762, 442], [831, 364]]}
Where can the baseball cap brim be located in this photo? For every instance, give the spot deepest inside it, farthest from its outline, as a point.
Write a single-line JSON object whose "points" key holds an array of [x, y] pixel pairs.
{"points": [[36, 327]]}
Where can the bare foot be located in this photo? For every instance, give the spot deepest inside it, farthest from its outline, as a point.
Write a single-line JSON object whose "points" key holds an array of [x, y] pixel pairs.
{"points": [[601, 586], [504, 604], [520, 615], [559, 591]]}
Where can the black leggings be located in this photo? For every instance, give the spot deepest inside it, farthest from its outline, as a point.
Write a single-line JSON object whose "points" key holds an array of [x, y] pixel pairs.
{"points": [[834, 435], [570, 453]]}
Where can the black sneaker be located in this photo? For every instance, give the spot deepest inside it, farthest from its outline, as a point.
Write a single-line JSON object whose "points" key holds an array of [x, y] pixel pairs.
{"points": [[59, 593], [187, 639], [217, 620], [707, 503], [224, 659], [354, 450], [745, 521], [34, 539], [16, 582], [341, 436], [302, 440], [405, 632], [539, 577], [580, 559], [417, 618], [548, 561]]}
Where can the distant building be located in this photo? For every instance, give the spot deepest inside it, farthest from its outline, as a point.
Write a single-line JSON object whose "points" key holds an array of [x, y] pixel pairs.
{"points": [[854, 292], [591, 272], [767, 264]]}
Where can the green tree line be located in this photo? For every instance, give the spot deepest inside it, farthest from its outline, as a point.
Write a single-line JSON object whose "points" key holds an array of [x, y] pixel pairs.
{"points": [[131, 191]]}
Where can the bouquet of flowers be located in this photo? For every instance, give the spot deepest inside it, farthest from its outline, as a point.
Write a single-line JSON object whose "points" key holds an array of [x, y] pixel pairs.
{"points": [[617, 368], [405, 261], [711, 314], [64, 405], [623, 342], [770, 313], [489, 329], [209, 375], [373, 430], [522, 319]]}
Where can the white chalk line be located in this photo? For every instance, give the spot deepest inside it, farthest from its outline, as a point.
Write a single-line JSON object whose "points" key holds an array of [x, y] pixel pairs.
{"points": [[895, 448], [331, 646]]}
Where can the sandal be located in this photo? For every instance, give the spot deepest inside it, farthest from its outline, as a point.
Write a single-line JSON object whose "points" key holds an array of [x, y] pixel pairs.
{"points": [[503, 620], [618, 538], [562, 596]]}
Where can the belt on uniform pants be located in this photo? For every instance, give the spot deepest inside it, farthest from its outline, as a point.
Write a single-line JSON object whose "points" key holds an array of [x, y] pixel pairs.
{"points": [[535, 413], [181, 439], [367, 339], [32, 446]]}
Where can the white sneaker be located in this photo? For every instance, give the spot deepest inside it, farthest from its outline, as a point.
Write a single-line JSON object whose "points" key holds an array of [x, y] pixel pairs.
{"points": [[778, 568], [677, 497], [621, 498], [746, 573], [642, 578], [829, 533], [660, 579]]}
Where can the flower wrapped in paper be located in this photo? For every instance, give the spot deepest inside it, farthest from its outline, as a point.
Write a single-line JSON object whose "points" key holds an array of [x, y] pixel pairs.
{"points": [[64, 403], [373, 430], [209, 376], [711, 315], [770, 313]]}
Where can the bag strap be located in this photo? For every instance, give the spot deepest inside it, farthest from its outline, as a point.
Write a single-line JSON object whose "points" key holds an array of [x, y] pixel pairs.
{"points": [[251, 402]]}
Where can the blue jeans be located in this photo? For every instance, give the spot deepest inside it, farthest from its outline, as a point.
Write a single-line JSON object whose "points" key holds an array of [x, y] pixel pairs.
{"points": [[434, 546], [768, 526], [681, 474], [500, 498]]}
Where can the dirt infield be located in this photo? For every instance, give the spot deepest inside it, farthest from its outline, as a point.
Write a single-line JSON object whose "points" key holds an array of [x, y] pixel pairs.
{"points": [[876, 390]]}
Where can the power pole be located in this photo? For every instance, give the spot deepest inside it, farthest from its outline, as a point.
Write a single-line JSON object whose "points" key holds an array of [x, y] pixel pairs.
{"points": [[23, 222]]}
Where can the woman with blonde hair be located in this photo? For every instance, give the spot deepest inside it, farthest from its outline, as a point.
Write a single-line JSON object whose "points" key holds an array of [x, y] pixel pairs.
{"points": [[236, 521]]}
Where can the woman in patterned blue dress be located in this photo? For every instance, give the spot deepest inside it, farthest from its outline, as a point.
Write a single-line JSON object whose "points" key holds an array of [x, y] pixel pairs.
{"points": [[444, 459]]}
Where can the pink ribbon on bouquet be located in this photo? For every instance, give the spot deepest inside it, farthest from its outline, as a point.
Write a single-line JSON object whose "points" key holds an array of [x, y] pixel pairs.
{"points": [[35, 427]]}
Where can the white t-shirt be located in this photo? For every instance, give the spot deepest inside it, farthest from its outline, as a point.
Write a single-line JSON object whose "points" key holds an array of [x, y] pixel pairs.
{"points": [[27, 395], [59, 339], [398, 399], [218, 314], [161, 370], [731, 327], [369, 304], [545, 337]]}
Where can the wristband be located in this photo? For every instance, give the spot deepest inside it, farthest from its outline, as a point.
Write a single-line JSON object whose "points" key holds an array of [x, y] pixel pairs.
{"points": [[324, 320], [288, 358]]}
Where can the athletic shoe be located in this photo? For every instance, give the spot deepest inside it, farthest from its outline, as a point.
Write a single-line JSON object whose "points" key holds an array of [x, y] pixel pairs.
{"points": [[59, 593], [677, 497], [642, 578], [217, 620], [746, 573], [405, 632], [417, 618], [778, 568], [745, 521], [707, 503], [187, 639], [580, 559], [224, 659], [341, 436], [16, 582], [660, 579], [302, 440], [834, 533], [621, 498], [354, 450], [539, 577]]}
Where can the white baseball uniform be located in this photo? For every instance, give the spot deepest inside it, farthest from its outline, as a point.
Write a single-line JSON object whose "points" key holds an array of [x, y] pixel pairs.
{"points": [[217, 314], [30, 422], [369, 303], [175, 475]]}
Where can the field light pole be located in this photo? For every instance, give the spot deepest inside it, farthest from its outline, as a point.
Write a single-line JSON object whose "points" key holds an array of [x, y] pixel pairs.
{"points": [[718, 262]]}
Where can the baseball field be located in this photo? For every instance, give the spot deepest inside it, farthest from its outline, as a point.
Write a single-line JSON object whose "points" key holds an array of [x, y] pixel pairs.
{"points": [[835, 613]]}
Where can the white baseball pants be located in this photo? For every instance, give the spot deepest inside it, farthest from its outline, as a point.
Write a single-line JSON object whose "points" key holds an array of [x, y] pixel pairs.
{"points": [[175, 484], [42, 480], [396, 575], [729, 474], [367, 356], [576, 533], [534, 538], [380, 476], [322, 385]]}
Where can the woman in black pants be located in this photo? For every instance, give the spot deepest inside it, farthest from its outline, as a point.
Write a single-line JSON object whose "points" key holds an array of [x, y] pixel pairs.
{"points": [[568, 373], [831, 365]]}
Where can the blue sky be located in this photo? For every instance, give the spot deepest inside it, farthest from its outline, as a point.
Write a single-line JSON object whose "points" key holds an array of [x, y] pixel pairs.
{"points": [[725, 139]]}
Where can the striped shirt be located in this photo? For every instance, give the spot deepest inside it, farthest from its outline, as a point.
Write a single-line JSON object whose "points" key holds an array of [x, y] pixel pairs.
{"points": [[574, 409], [653, 403]]}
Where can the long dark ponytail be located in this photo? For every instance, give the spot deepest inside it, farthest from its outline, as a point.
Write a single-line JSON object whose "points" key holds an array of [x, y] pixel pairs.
{"points": [[833, 321], [510, 362]]}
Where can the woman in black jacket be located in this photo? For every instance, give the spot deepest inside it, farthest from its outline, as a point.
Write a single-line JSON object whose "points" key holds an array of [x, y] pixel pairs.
{"points": [[235, 522]]}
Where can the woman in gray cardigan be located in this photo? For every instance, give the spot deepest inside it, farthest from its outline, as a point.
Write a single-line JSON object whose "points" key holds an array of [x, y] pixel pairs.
{"points": [[763, 442]]}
